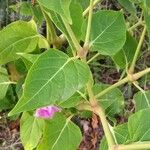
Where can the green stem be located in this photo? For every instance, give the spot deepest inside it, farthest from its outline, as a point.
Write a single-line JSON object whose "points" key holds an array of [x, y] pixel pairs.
{"points": [[132, 78], [136, 25], [123, 81], [109, 137], [72, 35], [88, 8], [135, 146], [91, 59], [131, 69], [87, 38]]}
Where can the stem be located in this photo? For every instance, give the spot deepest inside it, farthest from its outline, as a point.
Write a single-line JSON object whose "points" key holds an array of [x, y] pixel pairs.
{"points": [[87, 38], [91, 59], [123, 81], [135, 25], [131, 70], [135, 146], [72, 35], [88, 8], [132, 78], [100, 112]]}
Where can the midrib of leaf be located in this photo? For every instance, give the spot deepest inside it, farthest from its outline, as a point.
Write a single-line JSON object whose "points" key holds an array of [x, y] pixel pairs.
{"points": [[6, 83], [144, 134], [67, 121], [30, 138], [146, 99], [68, 60], [11, 45], [104, 31]]}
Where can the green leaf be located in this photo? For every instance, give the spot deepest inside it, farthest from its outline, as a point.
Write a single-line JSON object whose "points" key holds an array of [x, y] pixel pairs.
{"points": [[5, 104], [77, 18], [125, 56], [121, 135], [28, 59], [128, 5], [139, 126], [60, 133], [4, 82], [61, 7], [53, 77], [73, 101], [113, 102], [17, 37], [147, 21], [108, 32], [142, 100], [31, 130], [77, 22]]}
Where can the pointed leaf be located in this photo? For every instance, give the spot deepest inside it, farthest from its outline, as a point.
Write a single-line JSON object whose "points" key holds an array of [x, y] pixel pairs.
{"points": [[17, 37], [53, 77], [60, 133], [108, 32], [30, 130], [61, 7]]}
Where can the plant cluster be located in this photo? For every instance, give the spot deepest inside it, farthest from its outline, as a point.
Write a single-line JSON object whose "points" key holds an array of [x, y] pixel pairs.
{"points": [[55, 82]]}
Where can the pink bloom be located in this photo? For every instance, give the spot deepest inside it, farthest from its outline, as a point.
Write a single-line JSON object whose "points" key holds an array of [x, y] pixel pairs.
{"points": [[46, 112]]}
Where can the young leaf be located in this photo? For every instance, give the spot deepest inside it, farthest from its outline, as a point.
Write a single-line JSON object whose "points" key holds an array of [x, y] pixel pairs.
{"points": [[139, 126], [125, 56], [142, 100], [4, 82], [113, 102], [53, 77], [108, 32], [60, 133], [19, 36], [31, 130], [61, 7]]}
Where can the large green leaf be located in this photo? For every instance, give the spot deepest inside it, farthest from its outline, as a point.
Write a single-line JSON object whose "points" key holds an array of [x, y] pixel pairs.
{"points": [[60, 133], [17, 37], [139, 126], [53, 77], [142, 100], [59, 6], [125, 56], [108, 32], [31, 130], [4, 82], [112, 102]]}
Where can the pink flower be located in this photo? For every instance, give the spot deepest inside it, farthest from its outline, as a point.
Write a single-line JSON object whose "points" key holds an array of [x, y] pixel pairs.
{"points": [[46, 112]]}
